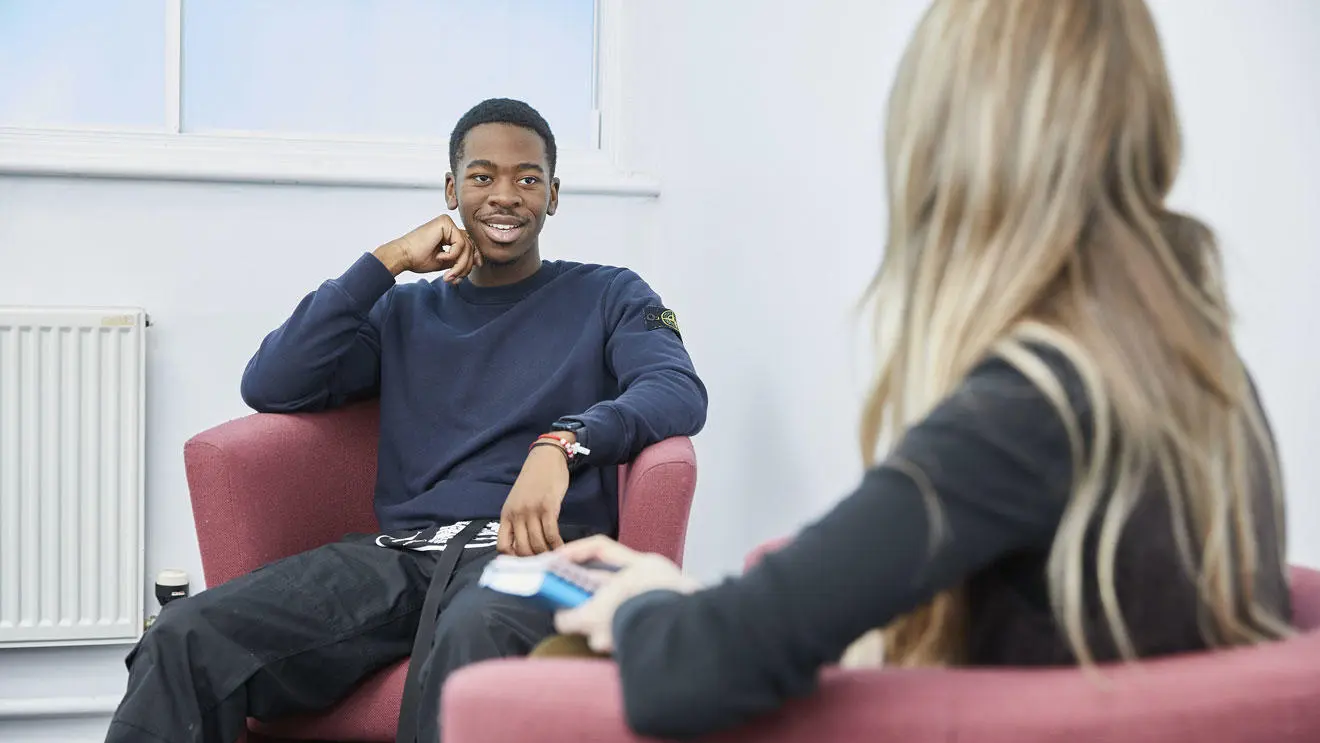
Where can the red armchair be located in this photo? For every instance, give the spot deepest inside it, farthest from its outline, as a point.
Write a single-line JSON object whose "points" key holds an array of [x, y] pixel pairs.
{"points": [[268, 486], [1268, 693]]}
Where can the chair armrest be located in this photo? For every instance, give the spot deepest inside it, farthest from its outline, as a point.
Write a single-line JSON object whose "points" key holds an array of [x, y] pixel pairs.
{"points": [[655, 498], [563, 700], [268, 486], [1246, 694], [570, 700]]}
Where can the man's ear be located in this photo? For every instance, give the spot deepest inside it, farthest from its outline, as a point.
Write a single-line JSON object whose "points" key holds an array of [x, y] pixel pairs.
{"points": [[554, 197], [451, 192]]}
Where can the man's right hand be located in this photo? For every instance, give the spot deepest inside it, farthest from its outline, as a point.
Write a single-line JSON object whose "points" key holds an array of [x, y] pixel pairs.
{"points": [[438, 245]]}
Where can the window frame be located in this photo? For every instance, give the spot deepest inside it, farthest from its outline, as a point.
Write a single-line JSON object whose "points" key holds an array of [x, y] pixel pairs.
{"points": [[271, 158]]}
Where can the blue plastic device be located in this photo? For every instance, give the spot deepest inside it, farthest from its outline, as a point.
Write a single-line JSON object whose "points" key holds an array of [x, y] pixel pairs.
{"points": [[547, 578]]}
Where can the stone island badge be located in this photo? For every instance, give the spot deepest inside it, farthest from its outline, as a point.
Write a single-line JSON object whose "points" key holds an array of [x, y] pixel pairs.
{"points": [[659, 317]]}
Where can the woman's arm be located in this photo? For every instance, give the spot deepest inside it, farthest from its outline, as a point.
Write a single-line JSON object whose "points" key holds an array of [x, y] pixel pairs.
{"points": [[995, 463]]}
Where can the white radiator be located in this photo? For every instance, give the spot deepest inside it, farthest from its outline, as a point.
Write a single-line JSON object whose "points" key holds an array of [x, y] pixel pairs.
{"points": [[72, 396]]}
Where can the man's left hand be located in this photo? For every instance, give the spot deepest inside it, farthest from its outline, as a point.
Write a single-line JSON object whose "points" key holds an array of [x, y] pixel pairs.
{"points": [[529, 522]]}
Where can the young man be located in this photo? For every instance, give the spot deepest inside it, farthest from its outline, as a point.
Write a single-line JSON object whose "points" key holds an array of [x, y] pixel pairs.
{"points": [[509, 390]]}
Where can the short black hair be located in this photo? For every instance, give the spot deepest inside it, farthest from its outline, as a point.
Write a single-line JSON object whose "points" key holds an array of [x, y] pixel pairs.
{"points": [[501, 111]]}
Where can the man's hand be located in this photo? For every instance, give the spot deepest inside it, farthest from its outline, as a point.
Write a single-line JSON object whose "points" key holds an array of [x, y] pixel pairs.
{"points": [[529, 523], [437, 245]]}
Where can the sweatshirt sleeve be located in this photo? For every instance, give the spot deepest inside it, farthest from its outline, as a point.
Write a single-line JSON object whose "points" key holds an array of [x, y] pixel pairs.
{"points": [[660, 393], [328, 352], [998, 464]]}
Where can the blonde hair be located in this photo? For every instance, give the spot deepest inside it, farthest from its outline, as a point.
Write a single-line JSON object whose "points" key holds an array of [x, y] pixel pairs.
{"points": [[1030, 147]]}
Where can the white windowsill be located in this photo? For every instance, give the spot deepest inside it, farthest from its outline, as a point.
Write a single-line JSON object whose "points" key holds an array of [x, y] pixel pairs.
{"points": [[243, 158]]}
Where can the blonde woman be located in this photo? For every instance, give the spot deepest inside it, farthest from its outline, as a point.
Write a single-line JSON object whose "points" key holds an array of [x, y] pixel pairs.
{"points": [[1078, 468]]}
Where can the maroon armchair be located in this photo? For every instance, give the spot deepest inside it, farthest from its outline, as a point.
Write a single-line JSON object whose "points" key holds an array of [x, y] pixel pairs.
{"points": [[1245, 695], [268, 486]]}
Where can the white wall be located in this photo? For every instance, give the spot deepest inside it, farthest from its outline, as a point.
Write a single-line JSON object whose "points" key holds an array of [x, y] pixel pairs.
{"points": [[1244, 75], [761, 121]]}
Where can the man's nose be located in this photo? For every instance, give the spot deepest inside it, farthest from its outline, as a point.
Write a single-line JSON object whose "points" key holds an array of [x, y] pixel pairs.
{"points": [[505, 194]]}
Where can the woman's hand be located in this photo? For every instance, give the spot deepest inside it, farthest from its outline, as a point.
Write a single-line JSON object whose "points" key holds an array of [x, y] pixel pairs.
{"points": [[638, 573]]}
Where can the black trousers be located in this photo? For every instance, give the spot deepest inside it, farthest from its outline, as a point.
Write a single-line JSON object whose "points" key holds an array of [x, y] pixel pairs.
{"points": [[297, 636]]}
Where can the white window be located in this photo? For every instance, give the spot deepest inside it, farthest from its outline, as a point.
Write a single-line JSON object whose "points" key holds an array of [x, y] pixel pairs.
{"points": [[323, 91], [76, 63]]}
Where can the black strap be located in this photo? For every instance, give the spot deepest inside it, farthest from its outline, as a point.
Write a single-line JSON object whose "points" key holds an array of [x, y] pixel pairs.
{"points": [[444, 570]]}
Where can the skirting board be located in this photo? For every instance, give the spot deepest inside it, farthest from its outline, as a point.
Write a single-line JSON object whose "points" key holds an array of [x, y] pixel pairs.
{"points": [[56, 707]]}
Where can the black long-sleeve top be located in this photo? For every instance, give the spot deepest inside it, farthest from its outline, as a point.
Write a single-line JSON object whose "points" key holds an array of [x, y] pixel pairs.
{"points": [[997, 458]]}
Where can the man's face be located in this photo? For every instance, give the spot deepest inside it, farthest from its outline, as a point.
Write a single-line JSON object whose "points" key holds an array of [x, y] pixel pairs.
{"points": [[502, 190]]}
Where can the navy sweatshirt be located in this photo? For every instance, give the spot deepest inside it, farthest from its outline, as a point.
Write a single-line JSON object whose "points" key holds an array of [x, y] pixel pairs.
{"points": [[469, 376]]}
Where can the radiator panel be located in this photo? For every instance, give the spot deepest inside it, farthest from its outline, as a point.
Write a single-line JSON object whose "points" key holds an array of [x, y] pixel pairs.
{"points": [[72, 409]]}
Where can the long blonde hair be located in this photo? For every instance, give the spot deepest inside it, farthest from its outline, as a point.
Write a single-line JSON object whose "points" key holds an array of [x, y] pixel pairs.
{"points": [[1030, 147]]}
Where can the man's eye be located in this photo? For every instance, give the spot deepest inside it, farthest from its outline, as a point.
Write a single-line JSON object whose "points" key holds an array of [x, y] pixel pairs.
{"points": [[529, 180], [479, 178]]}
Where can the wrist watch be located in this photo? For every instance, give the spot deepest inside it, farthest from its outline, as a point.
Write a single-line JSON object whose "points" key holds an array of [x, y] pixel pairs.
{"points": [[569, 424], [579, 431]]}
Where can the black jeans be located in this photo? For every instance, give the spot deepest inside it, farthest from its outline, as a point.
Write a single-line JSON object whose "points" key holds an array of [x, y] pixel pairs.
{"points": [[297, 636]]}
